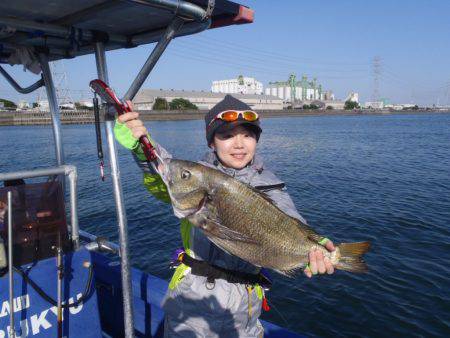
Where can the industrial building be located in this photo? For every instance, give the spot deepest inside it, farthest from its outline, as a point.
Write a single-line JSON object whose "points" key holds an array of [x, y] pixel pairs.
{"points": [[353, 97], [241, 85], [294, 91], [374, 105], [145, 99], [22, 105], [45, 106]]}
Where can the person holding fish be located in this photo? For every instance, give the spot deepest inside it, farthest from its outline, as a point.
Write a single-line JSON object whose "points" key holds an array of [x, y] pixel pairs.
{"points": [[236, 218]]}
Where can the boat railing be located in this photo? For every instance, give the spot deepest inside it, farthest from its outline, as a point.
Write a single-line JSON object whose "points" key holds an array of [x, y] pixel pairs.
{"points": [[91, 242], [60, 171], [99, 243], [67, 170]]}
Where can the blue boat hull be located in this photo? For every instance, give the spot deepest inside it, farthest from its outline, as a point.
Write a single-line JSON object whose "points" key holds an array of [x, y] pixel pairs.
{"points": [[102, 309]]}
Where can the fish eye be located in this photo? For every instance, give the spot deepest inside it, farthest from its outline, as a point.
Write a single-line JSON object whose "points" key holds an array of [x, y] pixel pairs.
{"points": [[185, 174]]}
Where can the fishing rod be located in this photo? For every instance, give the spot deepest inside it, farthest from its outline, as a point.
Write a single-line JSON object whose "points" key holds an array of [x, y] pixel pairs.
{"points": [[107, 94], [60, 276], [98, 133], [12, 330]]}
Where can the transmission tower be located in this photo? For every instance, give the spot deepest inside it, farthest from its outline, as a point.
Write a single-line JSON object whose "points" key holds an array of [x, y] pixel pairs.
{"points": [[447, 97], [59, 76], [376, 78]]}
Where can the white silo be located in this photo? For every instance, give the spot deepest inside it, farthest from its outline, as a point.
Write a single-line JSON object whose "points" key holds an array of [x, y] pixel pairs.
{"points": [[287, 93], [280, 92], [273, 91]]}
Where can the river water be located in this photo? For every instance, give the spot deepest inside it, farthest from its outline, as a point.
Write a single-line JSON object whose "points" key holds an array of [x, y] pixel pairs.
{"points": [[381, 178]]}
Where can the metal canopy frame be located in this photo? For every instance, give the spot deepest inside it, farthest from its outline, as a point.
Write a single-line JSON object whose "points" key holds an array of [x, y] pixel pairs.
{"points": [[83, 31], [17, 87], [71, 29]]}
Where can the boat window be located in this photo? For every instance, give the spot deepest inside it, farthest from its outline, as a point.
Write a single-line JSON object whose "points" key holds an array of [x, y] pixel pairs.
{"points": [[39, 220]]}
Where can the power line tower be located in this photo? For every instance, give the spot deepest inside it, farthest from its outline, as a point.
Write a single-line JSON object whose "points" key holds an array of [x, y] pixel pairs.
{"points": [[63, 93], [376, 78], [447, 96], [41, 100], [60, 79]]}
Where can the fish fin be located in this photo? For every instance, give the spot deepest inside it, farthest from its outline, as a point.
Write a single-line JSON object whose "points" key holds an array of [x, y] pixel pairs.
{"points": [[261, 193], [290, 273], [214, 228], [353, 250], [352, 266], [311, 234], [351, 257], [314, 236], [218, 242]]}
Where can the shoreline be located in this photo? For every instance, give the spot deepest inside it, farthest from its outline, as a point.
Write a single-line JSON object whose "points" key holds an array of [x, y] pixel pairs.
{"points": [[30, 117]]}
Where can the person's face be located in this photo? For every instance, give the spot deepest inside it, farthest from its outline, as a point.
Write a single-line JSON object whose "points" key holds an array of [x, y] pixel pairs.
{"points": [[235, 148]]}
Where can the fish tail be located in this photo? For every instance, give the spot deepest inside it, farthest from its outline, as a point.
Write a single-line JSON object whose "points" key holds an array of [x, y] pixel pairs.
{"points": [[351, 257]]}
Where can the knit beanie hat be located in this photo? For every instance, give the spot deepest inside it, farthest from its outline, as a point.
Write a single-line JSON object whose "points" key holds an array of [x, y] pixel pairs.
{"points": [[228, 103]]}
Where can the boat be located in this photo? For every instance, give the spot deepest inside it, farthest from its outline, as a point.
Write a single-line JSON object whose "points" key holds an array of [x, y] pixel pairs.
{"points": [[56, 279]]}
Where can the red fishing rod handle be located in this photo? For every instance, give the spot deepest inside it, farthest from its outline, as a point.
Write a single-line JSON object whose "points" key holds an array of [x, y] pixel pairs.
{"points": [[107, 94]]}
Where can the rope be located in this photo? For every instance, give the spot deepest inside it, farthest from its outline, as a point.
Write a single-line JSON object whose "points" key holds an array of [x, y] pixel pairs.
{"points": [[49, 299]]}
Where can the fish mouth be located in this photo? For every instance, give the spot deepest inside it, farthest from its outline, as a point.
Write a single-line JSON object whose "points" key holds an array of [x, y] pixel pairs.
{"points": [[164, 171], [183, 213], [200, 206]]}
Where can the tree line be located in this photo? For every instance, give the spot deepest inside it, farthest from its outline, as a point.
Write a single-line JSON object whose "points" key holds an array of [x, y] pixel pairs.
{"points": [[175, 104], [160, 104]]}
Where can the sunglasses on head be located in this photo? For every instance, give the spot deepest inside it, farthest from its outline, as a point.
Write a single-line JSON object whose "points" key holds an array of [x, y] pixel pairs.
{"points": [[233, 115]]}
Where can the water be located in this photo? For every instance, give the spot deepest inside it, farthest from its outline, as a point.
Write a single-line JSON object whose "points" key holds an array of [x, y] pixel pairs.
{"points": [[380, 178]]}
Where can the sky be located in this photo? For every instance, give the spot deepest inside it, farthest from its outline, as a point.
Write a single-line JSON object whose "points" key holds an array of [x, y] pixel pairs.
{"points": [[334, 41]]}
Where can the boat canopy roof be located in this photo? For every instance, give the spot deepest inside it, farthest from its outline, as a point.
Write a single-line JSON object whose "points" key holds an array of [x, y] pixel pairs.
{"points": [[66, 28]]}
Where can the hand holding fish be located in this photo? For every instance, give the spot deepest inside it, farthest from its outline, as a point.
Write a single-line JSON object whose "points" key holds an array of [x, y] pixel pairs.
{"points": [[318, 264]]}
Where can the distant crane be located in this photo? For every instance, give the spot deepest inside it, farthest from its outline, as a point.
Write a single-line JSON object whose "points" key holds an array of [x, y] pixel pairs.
{"points": [[293, 84], [304, 87]]}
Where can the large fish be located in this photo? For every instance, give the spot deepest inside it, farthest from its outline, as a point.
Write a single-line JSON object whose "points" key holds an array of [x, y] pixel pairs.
{"points": [[246, 223]]}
